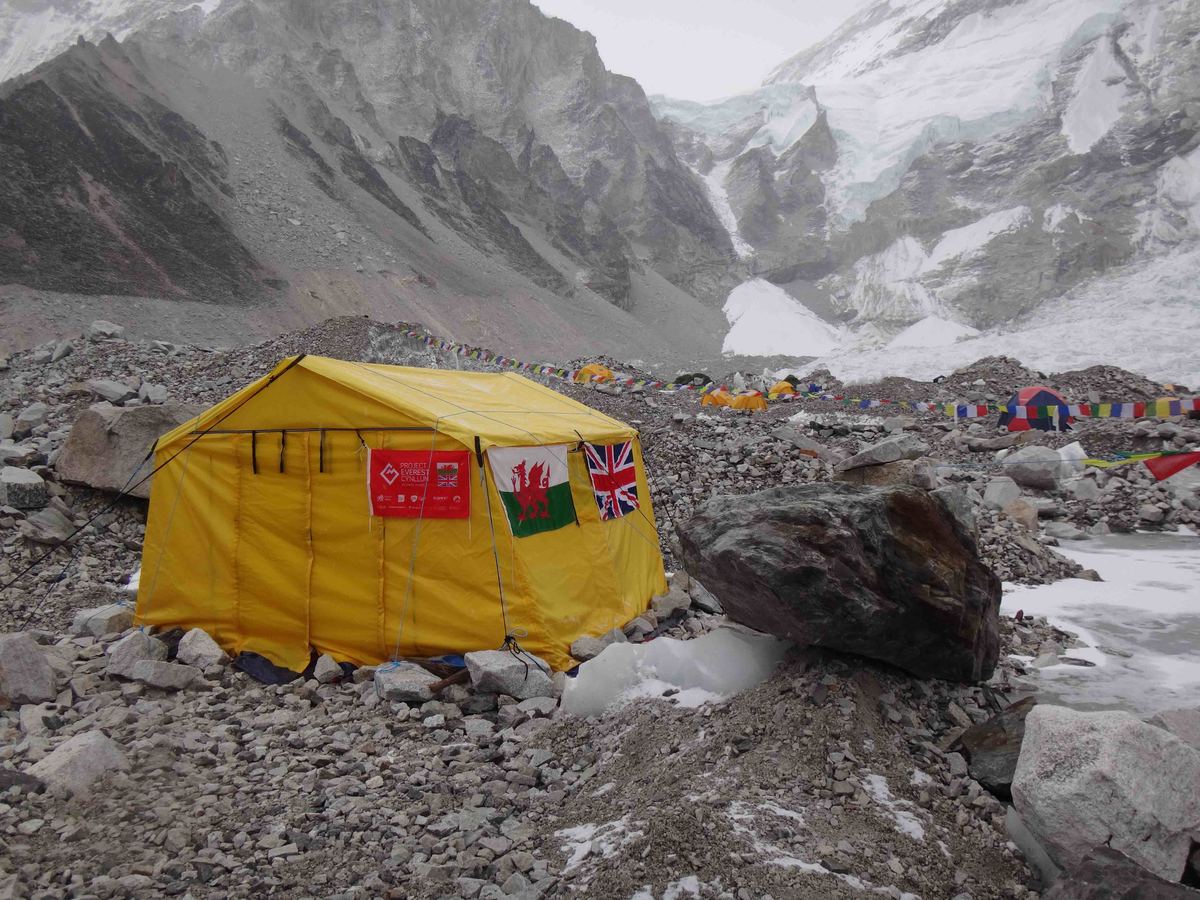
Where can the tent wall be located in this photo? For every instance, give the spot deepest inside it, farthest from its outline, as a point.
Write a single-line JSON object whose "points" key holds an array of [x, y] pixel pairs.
{"points": [[274, 561]]}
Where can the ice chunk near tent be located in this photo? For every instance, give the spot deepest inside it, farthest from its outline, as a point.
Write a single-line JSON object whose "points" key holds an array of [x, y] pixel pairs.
{"points": [[134, 580], [708, 669], [1073, 456]]}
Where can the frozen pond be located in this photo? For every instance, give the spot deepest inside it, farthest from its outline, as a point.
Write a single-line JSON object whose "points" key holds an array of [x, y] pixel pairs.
{"points": [[1142, 623]]}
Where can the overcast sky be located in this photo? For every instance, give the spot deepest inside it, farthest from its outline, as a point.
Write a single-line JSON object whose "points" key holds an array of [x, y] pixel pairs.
{"points": [[700, 49]]}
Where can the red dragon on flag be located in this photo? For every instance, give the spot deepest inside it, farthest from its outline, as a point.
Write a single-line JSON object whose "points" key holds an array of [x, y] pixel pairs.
{"points": [[530, 487]]}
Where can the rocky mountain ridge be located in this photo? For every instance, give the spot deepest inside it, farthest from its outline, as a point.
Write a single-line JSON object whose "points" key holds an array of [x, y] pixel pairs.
{"points": [[455, 153]]}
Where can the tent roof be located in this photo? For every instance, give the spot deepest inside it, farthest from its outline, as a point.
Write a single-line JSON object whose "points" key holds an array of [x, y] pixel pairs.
{"points": [[309, 392]]}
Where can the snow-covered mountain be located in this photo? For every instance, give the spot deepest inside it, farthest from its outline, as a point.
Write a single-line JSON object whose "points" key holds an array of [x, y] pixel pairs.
{"points": [[33, 31], [959, 159]]}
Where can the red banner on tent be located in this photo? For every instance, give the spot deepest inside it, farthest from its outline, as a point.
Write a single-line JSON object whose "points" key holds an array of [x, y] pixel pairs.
{"points": [[419, 484]]}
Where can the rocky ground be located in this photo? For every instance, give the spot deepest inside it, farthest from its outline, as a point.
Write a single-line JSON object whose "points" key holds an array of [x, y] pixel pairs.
{"points": [[832, 778]]}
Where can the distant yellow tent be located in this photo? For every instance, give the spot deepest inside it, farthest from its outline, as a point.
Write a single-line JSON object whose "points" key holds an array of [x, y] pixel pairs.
{"points": [[751, 400], [594, 372], [261, 529], [781, 388]]}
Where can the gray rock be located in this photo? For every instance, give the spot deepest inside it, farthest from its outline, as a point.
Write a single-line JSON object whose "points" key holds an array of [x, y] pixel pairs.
{"points": [[404, 681], [132, 649], [957, 500], [916, 472], [107, 446], [100, 330], [25, 674], [586, 648], [6, 426], [1108, 874], [30, 418], [1000, 492], [790, 434], [890, 449], [61, 351], [1023, 513], [197, 648], [992, 748], [638, 629], [110, 390], [850, 568], [1035, 467], [327, 669], [1085, 779], [74, 766], [103, 620], [166, 676], [22, 488], [517, 675], [703, 599], [1065, 531], [676, 599], [1151, 514], [1084, 489], [538, 706], [22, 781], [46, 526], [152, 393], [1183, 723]]}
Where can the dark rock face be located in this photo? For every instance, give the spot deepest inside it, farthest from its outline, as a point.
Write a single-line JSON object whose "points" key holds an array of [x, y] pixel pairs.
{"points": [[993, 747], [103, 189], [1107, 874], [885, 573]]}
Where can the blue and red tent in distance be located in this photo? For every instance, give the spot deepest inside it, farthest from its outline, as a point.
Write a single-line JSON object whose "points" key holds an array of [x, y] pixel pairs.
{"points": [[1040, 396]]}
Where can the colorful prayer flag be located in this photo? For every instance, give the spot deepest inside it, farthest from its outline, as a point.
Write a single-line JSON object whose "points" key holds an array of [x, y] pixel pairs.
{"points": [[1163, 467]]}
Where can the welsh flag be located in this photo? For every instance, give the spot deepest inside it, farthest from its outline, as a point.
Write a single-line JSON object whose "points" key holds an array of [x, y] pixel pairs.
{"points": [[533, 484]]}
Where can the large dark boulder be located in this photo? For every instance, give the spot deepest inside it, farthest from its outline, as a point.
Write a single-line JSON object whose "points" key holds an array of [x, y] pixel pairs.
{"points": [[885, 572], [1107, 874], [992, 748]]}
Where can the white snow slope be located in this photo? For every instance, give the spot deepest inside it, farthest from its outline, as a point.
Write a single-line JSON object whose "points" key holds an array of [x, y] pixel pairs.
{"points": [[1145, 319], [765, 320]]}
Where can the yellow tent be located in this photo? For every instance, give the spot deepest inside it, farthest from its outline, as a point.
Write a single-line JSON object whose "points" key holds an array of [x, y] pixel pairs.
{"points": [[594, 372], [781, 388], [263, 528], [751, 400]]}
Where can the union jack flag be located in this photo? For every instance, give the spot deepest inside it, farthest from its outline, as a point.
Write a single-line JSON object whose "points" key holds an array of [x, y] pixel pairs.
{"points": [[614, 478]]}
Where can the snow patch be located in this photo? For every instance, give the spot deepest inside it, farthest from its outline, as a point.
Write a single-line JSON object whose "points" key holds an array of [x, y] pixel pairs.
{"points": [[1055, 217], [764, 320], [1100, 93], [900, 811], [969, 240], [591, 841], [710, 668], [714, 182], [932, 331]]}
